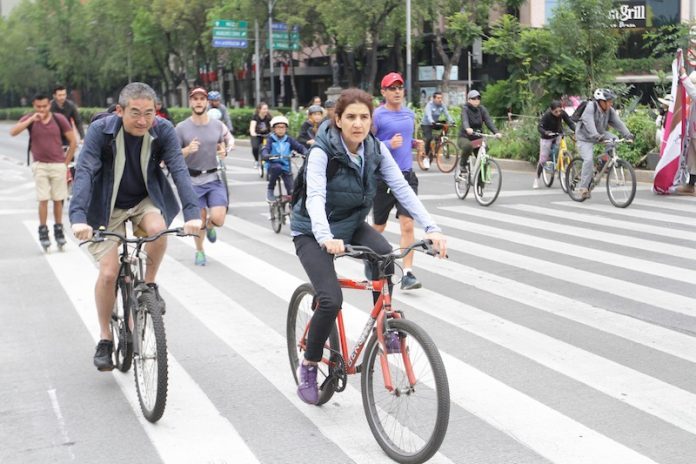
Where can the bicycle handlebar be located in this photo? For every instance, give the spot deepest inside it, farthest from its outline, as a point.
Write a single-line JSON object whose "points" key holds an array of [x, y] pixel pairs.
{"points": [[481, 134], [358, 251], [100, 236]]}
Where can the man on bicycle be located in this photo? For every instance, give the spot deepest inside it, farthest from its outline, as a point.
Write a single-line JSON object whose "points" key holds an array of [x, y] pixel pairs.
{"points": [[474, 116], [280, 147], [202, 140], [394, 124], [118, 178], [550, 130], [215, 101], [431, 119], [591, 129]]}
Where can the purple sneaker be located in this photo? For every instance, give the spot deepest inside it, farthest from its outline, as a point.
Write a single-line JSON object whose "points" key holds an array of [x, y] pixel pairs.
{"points": [[307, 389], [393, 342]]}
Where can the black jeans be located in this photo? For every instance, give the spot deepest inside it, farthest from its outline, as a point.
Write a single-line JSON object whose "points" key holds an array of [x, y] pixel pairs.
{"points": [[256, 143], [319, 266], [274, 172]]}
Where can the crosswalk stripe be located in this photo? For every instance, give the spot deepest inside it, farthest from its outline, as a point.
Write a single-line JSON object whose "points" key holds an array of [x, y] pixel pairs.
{"points": [[333, 422], [663, 217], [514, 412], [545, 243], [668, 204], [191, 430], [564, 231], [628, 290], [17, 188], [629, 328], [245, 334], [627, 240]]}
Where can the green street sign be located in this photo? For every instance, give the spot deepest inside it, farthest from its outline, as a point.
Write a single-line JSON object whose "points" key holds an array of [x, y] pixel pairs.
{"points": [[227, 33], [233, 24], [287, 36], [284, 45]]}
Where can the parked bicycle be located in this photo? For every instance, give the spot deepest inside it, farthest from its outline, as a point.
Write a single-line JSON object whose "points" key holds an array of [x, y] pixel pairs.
{"points": [[487, 177], [441, 149], [621, 178], [558, 164], [404, 385], [137, 325]]}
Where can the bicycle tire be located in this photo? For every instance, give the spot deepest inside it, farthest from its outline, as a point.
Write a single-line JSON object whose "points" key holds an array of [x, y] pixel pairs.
{"points": [[487, 191], [276, 216], [262, 168], [462, 182], [151, 368], [616, 178], [573, 176], [390, 415], [548, 173], [123, 342], [421, 155], [447, 156], [299, 315], [562, 172]]}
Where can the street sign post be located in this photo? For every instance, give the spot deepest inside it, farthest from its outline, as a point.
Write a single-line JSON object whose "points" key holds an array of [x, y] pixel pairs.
{"points": [[285, 38]]}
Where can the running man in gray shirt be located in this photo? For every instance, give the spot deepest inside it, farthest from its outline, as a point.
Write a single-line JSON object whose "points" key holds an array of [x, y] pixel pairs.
{"points": [[203, 141]]}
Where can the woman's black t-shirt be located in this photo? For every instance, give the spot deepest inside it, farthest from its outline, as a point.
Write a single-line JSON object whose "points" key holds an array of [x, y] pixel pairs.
{"points": [[263, 125]]}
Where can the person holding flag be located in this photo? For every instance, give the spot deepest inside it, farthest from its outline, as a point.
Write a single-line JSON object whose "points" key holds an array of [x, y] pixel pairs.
{"points": [[688, 166]]}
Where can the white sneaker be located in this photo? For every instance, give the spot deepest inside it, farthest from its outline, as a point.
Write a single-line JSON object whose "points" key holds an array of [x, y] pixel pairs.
{"points": [[426, 163], [256, 164], [535, 185]]}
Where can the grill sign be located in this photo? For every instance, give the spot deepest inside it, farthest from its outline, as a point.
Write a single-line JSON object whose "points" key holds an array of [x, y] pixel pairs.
{"points": [[628, 14]]}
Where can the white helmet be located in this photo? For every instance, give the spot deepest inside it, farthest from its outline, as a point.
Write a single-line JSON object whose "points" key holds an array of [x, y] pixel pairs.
{"points": [[279, 120], [604, 94], [214, 113]]}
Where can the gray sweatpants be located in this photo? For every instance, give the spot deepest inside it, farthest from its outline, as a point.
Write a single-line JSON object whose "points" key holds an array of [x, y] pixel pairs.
{"points": [[586, 150]]}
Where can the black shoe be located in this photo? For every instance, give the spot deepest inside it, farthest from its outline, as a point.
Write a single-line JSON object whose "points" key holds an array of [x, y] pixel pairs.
{"points": [[154, 288], [103, 358], [410, 282], [59, 235], [43, 237]]}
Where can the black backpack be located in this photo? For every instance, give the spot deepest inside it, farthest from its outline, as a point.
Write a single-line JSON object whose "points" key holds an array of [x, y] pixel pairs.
{"points": [[299, 190], [577, 114]]}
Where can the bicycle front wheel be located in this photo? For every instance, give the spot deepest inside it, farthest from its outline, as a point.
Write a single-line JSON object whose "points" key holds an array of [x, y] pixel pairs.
{"points": [[487, 182], [621, 184], [573, 176], [447, 156], [300, 311], [276, 216], [461, 181], [564, 163], [548, 173], [123, 342], [151, 368], [409, 422]]}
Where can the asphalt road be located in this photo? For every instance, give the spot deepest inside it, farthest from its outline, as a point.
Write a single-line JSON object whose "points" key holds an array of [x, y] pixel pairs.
{"points": [[567, 331]]}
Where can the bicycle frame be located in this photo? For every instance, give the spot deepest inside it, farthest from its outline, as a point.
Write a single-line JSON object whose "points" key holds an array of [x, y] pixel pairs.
{"points": [[440, 140], [133, 278], [611, 162]]}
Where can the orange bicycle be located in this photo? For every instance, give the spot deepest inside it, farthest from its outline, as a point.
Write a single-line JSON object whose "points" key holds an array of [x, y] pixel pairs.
{"points": [[404, 385], [441, 148]]}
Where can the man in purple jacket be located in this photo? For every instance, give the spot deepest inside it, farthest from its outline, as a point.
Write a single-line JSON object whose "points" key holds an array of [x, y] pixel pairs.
{"points": [[394, 125]]}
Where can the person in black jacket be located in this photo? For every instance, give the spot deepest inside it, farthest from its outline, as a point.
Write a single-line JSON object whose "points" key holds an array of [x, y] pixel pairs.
{"points": [[550, 128], [315, 115], [474, 115], [61, 104]]}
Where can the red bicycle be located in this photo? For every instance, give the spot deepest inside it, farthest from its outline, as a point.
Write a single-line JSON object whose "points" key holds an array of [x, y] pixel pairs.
{"points": [[404, 385]]}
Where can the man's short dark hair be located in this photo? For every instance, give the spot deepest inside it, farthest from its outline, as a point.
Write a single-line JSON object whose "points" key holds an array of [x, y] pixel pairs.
{"points": [[58, 87], [39, 96], [435, 94]]}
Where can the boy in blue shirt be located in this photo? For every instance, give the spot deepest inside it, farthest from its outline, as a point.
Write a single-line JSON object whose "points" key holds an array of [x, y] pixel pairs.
{"points": [[280, 147]]}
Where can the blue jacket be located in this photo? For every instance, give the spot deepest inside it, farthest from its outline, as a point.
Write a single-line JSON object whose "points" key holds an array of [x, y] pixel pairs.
{"points": [[349, 193], [93, 185], [282, 147]]}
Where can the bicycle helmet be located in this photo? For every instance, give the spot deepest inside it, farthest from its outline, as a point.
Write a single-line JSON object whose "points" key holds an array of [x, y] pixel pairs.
{"points": [[214, 95], [214, 113], [604, 94], [315, 109], [279, 120]]}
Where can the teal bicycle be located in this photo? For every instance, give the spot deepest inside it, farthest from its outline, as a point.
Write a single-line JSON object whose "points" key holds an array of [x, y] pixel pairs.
{"points": [[487, 178]]}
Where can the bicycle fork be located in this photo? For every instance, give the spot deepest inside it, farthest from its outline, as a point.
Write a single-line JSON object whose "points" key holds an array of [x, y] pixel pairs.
{"points": [[382, 328]]}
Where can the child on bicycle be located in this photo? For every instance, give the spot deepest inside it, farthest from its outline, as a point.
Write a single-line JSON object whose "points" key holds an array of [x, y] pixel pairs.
{"points": [[277, 152], [550, 128], [315, 115]]}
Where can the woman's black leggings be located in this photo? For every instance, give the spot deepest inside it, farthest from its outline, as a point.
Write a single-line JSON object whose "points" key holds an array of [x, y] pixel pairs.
{"points": [[319, 266], [256, 143]]}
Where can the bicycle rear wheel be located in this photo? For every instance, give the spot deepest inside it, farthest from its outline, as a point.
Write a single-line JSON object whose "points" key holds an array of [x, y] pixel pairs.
{"points": [[151, 368], [562, 172], [123, 341], [573, 176], [461, 181], [548, 173], [487, 182], [447, 156], [410, 422], [621, 184], [300, 311]]}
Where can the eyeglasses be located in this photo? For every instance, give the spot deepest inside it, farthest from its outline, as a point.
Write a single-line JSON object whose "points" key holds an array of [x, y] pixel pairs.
{"points": [[475, 98], [137, 114], [394, 88]]}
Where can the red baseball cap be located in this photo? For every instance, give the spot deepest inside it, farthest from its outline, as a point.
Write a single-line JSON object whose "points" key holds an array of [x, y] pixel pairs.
{"points": [[198, 91], [391, 78]]}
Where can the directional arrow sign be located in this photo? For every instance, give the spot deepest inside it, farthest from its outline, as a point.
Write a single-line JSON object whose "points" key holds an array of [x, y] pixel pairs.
{"points": [[231, 23], [230, 43], [227, 33]]}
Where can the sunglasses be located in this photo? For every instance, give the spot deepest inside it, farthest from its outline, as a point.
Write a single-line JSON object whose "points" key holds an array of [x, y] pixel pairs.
{"points": [[394, 88], [475, 98]]}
